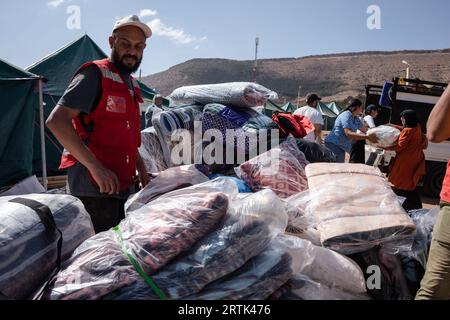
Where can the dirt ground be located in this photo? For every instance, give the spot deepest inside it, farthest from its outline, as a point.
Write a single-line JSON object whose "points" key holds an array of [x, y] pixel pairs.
{"points": [[429, 203]]}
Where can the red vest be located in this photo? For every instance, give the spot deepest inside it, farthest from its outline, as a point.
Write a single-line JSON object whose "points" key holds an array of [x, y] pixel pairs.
{"points": [[112, 130], [445, 194]]}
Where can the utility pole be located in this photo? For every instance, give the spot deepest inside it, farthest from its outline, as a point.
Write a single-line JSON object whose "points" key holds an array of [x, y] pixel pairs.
{"points": [[298, 97], [255, 67], [408, 66]]}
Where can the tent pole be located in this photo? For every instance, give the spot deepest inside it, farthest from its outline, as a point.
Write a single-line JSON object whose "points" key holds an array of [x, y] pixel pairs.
{"points": [[42, 127]]}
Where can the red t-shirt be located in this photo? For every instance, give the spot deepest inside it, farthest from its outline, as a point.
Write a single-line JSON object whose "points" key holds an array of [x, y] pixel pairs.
{"points": [[445, 194]]}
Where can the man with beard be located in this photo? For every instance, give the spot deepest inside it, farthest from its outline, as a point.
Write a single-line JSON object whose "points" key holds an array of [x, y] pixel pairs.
{"points": [[98, 122]]}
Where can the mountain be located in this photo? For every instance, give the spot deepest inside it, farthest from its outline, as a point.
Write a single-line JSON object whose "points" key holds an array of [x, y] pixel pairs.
{"points": [[335, 76]]}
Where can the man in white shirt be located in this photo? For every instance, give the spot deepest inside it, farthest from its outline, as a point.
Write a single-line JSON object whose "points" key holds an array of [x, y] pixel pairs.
{"points": [[310, 111]]}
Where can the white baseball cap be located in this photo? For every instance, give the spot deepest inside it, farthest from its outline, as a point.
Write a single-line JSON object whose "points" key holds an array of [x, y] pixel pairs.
{"points": [[133, 20]]}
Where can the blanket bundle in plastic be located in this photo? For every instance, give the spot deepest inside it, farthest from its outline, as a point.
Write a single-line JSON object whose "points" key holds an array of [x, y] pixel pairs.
{"points": [[151, 151], [142, 244], [387, 136], [324, 274], [356, 209], [244, 124], [246, 231], [167, 123], [37, 232], [281, 169], [234, 94]]}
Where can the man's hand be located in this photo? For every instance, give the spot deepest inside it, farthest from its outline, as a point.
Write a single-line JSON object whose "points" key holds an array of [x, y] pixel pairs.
{"points": [[373, 138], [106, 180]]}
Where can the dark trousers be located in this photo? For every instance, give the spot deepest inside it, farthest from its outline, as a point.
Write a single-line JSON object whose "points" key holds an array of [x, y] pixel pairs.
{"points": [[106, 213], [412, 202], [358, 153]]}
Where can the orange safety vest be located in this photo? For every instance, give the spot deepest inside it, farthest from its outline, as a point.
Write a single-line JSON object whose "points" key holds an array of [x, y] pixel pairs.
{"points": [[112, 131]]}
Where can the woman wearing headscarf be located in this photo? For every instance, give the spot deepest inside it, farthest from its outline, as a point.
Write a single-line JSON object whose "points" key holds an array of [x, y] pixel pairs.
{"points": [[409, 164], [346, 130]]}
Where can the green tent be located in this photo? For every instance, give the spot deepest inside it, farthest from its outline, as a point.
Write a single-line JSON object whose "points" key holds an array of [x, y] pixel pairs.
{"points": [[330, 112], [58, 68], [271, 107], [289, 108], [18, 104]]}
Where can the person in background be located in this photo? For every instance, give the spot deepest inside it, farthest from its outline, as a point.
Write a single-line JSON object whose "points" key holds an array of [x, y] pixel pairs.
{"points": [[98, 121], [358, 152], [345, 131], [409, 164], [156, 106], [436, 283], [310, 111], [371, 115]]}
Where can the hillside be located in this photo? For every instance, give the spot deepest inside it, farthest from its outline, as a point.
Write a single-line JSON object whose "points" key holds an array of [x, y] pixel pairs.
{"points": [[333, 76]]}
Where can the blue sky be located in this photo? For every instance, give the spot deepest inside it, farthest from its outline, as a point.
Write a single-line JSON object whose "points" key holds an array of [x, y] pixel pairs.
{"points": [[31, 29]]}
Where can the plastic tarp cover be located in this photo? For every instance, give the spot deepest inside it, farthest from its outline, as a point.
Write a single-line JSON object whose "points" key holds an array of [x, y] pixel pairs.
{"points": [[248, 228], [356, 209], [152, 236], [387, 136], [234, 94], [27, 254], [281, 169]]}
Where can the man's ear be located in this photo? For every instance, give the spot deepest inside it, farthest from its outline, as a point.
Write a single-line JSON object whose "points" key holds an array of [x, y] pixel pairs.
{"points": [[111, 42]]}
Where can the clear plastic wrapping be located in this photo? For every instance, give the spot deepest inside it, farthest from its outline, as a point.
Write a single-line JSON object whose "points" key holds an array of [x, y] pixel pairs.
{"points": [[324, 266], [27, 257], [235, 94], [390, 279], [300, 287], [166, 181], [153, 236], [425, 221], [387, 136], [151, 151], [281, 169], [356, 208], [256, 280], [248, 229], [286, 258], [301, 224]]}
